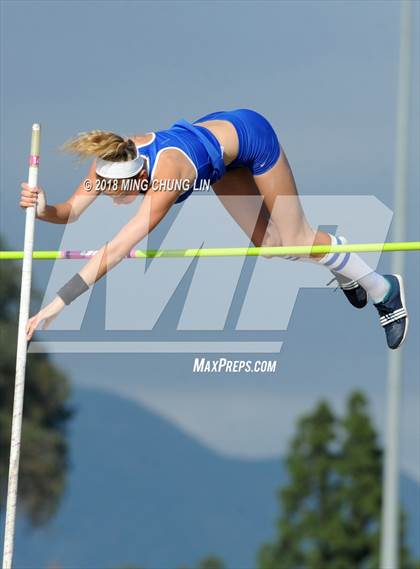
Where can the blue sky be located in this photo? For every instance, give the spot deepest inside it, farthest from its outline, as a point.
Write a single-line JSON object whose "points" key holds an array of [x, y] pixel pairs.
{"points": [[324, 73]]}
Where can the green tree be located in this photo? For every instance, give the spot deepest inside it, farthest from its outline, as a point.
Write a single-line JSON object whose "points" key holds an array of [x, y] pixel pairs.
{"points": [[309, 503], [359, 467], [360, 471], [46, 412], [211, 562], [332, 505]]}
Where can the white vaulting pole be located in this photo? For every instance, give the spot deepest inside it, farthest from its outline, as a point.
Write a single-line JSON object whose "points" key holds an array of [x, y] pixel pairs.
{"points": [[25, 296]]}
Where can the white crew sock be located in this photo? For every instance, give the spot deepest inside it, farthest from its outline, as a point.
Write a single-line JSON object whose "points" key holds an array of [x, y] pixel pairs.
{"points": [[376, 285], [351, 267]]}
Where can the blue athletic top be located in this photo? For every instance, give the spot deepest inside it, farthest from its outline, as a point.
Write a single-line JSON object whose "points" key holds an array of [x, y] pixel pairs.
{"points": [[196, 143], [259, 148]]}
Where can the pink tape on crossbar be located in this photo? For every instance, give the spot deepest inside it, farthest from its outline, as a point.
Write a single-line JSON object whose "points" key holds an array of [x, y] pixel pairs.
{"points": [[77, 254]]}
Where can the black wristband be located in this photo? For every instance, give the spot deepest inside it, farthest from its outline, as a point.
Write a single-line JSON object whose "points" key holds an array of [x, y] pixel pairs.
{"points": [[71, 290]]}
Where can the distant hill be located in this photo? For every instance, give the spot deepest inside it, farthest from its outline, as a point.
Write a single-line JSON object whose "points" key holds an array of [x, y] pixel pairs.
{"points": [[142, 492]]}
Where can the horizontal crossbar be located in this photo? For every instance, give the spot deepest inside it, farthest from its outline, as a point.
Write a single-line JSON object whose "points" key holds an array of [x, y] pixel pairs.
{"points": [[227, 251]]}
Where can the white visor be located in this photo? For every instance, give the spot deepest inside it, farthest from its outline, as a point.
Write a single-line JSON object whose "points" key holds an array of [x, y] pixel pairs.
{"points": [[119, 170]]}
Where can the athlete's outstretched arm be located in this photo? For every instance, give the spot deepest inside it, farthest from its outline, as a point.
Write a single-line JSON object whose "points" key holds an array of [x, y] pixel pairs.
{"points": [[65, 212], [153, 208]]}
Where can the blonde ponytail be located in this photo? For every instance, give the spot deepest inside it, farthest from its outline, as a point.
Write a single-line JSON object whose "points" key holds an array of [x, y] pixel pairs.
{"points": [[102, 144]]}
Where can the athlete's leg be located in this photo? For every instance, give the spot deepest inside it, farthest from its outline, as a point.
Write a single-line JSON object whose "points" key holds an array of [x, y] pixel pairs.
{"points": [[251, 215], [288, 226], [259, 225]]}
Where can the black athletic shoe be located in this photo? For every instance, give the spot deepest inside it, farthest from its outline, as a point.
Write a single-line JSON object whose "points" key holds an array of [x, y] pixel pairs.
{"points": [[355, 294], [393, 313]]}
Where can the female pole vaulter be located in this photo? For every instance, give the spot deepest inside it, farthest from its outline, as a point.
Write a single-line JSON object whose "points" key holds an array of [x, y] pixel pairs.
{"points": [[238, 153]]}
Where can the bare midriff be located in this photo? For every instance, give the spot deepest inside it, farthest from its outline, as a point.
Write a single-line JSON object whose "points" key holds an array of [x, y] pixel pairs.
{"points": [[226, 134]]}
